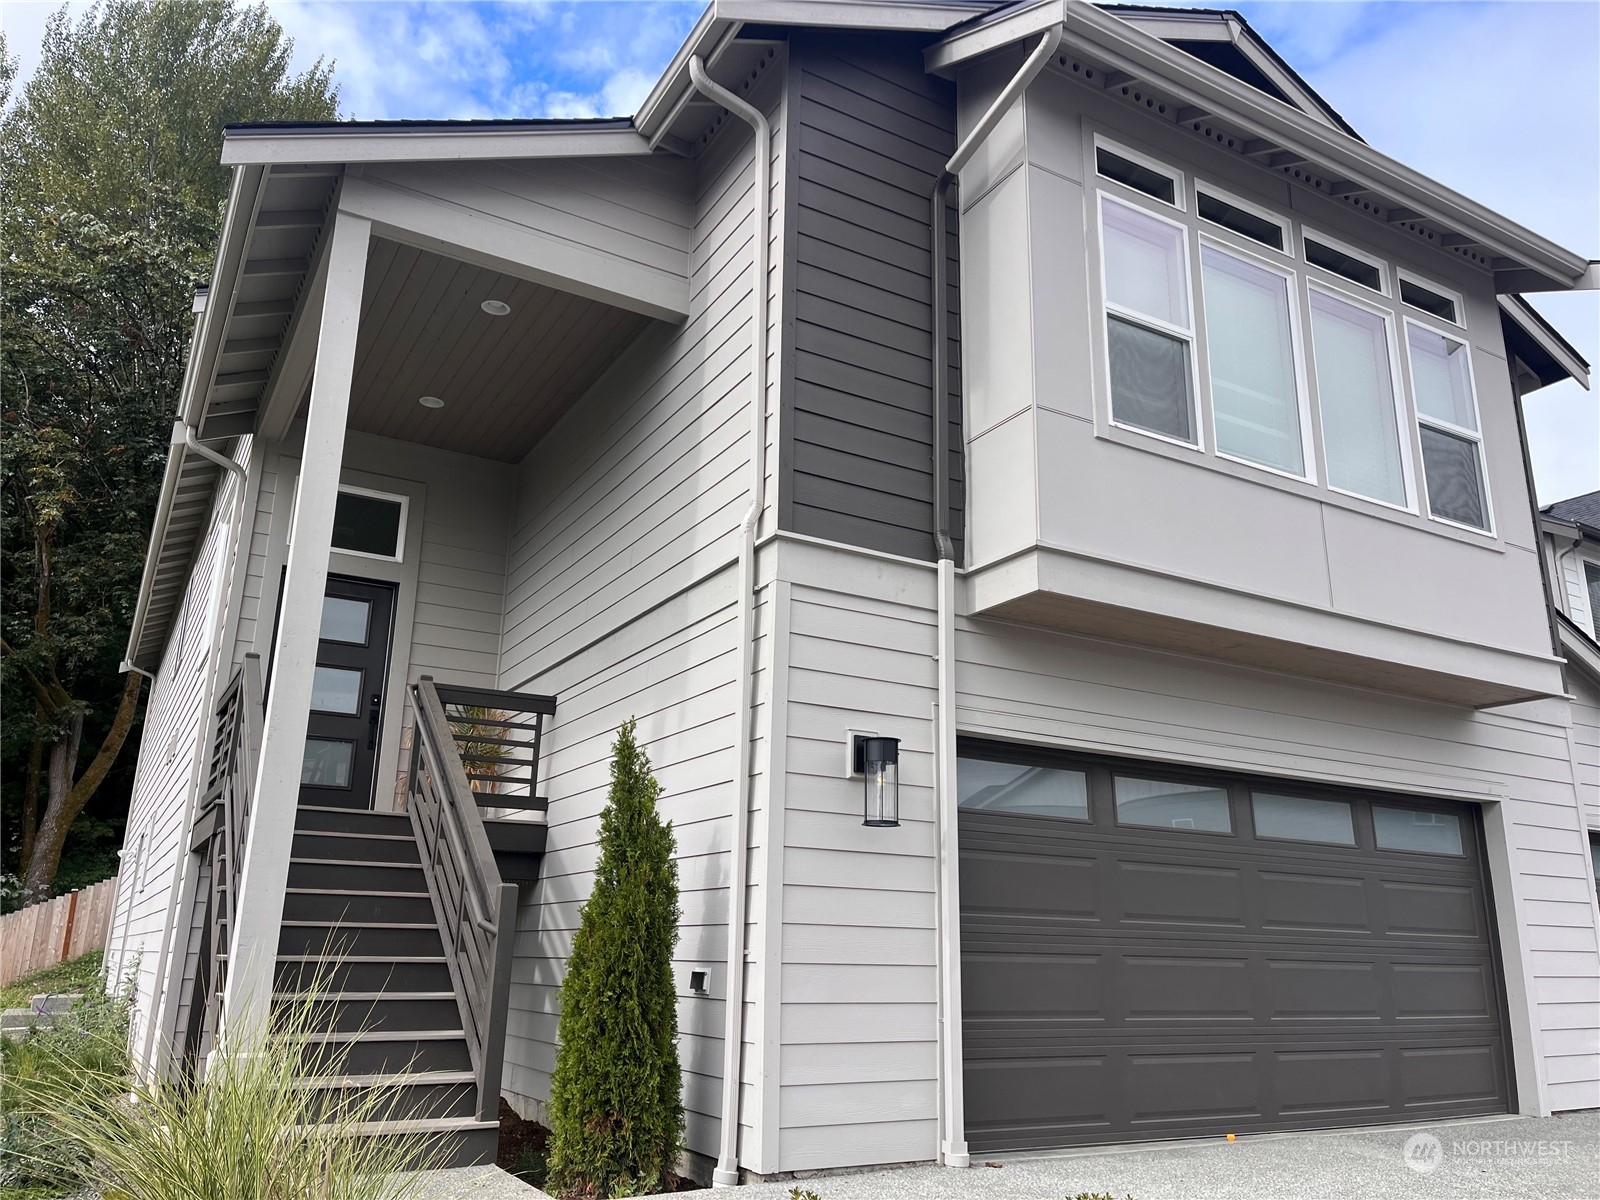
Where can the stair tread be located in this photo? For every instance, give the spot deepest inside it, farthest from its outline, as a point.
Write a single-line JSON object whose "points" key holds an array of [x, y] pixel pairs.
{"points": [[305, 891], [359, 925], [367, 995], [350, 833], [389, 1079], [387, 1035], [364, 959], [416, 1125], [357, 862]]}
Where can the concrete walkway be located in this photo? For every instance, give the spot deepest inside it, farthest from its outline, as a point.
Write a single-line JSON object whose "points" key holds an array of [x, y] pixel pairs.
{"points": [[1502, 1158]]}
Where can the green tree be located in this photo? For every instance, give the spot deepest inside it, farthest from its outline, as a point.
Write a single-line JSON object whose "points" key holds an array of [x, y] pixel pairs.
{"points": [[112, 206], [615, 1098]]}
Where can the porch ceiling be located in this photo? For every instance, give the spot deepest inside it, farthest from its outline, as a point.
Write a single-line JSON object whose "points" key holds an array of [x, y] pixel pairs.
{"points": [[504, 380]]}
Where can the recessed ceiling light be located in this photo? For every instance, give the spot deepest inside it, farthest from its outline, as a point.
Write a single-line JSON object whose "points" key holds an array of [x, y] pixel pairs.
{"points": [[430, 402], [495, 308]]}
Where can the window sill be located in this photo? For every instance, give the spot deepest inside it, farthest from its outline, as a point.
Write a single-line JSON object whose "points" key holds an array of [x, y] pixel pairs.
{"points": [[1193, 456]]}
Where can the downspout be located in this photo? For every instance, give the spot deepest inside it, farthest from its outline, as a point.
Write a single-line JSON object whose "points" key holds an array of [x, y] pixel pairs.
{"points": [[726, 1173], [953, 1143], [152, 1054]]}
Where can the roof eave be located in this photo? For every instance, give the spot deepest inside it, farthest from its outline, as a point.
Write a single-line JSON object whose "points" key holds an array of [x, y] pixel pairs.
{"points": [[1532, 262], [271, 146], [1561, 353]]}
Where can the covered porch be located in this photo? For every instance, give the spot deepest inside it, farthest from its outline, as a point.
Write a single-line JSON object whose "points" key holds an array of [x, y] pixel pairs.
{"points": [[376, 356]]}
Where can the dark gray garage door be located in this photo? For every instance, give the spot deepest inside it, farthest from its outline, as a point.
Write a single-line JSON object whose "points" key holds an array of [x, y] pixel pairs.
{"points": [[1158, 954]]}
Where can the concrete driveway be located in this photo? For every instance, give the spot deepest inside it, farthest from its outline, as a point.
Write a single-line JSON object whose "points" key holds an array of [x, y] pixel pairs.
{"points": [[1549, 1158], [1500, 1158]]}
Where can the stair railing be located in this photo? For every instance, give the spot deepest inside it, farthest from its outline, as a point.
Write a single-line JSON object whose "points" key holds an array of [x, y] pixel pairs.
{"points": [[220, 831], [476, 908]]}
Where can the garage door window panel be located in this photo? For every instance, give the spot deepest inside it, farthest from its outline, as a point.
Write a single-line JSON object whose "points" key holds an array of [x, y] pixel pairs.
{"points": [[1302, 819], [1418, 831], [1022, 789], [1169, 804]]}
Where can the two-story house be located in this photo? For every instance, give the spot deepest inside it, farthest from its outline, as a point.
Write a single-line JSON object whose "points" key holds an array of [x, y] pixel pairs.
{"points": [[1063, 397]]}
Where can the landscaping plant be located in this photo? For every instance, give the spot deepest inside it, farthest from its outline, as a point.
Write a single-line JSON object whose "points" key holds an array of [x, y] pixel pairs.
{"points": [[248, 1130], [615, 1101]]}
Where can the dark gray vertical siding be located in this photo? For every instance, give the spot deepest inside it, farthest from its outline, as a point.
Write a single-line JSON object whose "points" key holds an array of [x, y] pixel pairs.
{"points": [[871, 132]]}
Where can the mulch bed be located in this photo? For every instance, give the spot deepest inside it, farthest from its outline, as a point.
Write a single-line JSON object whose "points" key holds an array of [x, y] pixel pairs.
{"points": [[522, 1142]]}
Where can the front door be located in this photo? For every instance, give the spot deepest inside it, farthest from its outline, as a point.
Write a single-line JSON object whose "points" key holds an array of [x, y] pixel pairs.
{"points": [[347, 693]]}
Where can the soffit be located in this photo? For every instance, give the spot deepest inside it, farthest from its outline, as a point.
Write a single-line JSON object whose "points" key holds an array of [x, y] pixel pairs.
{"points": [[505, 380]]}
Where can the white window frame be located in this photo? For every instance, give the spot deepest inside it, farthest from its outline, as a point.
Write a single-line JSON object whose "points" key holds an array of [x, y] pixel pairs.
{"points": [[1404, 276], [404, 502], [1397, 387], [1447, 427], [1334, 243], [1101, 141], [1308, 455], [1585, 561], [1190, 335], [399, 554], [1284, 224]]}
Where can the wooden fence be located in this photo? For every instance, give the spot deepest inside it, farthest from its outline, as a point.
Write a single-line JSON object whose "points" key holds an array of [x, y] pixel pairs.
{"points": [[42, 935]]}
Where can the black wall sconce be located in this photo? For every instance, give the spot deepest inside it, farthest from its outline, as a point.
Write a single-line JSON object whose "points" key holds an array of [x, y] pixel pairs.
{"points": [[877, 760]]}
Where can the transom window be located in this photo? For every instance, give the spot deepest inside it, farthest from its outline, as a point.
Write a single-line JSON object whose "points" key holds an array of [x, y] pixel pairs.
{"points": [[1289, 346]]}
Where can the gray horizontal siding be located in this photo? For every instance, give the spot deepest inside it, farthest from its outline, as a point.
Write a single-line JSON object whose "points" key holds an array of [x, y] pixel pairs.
{"points": [[871, 133]]}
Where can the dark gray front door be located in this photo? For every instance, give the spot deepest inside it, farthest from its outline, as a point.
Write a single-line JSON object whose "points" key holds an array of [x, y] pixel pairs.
{"points": [[1158, 954], [347, 693]]}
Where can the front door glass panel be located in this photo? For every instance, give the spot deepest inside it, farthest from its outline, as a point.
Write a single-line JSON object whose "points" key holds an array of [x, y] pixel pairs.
{"points": [[327, 763], [336, 690]]}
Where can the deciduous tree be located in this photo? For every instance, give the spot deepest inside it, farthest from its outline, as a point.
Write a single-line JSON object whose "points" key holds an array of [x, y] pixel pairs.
{"points": [[113, 199]]}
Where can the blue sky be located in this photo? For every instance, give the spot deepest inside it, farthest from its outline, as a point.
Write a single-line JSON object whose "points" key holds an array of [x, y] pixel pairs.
{"points": [[1498, 100]]}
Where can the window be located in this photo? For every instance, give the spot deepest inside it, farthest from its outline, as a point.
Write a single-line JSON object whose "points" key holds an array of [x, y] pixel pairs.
{"points": [[1225, 349], [1166, 805], [1355, 384], [1344, 262], [336, 690], [1241, 217], [1299, 819], [1430, 299], [327, 763], [1250, 342], [344, 620], [1414, 830], [1132, 171], [1447, 411], [1022, 790], [1149, 327], [370, 524]]}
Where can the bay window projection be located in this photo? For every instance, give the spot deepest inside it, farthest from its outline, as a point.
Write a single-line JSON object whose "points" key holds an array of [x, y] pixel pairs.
{"points": [[1149, 325], [1447, 419], [1355, 385], [1255, 394]]}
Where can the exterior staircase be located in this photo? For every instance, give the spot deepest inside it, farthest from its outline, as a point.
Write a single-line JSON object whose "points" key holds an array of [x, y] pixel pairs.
{"points": [[397, 926], [359, 930]]}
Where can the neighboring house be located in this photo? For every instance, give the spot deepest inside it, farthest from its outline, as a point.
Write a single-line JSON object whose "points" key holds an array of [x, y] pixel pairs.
{"points": [[1203, 594], [1572, 563]]}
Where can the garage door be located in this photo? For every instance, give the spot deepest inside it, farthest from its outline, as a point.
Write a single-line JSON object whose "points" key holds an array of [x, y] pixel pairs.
{"points": [[1158, 954]]}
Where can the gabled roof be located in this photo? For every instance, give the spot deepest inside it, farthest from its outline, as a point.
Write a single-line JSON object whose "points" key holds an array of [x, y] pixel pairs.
{"points": [[1582, 511], [1223, 38], [1539, 345]]}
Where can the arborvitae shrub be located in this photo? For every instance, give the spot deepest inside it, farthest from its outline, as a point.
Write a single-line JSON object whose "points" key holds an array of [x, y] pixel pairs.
{"points": [[616, 1107]]}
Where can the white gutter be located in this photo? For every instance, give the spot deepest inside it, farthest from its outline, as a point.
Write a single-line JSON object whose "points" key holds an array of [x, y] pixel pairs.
{"points": [[726, 1173], [423, 143], [952, 1096]]}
